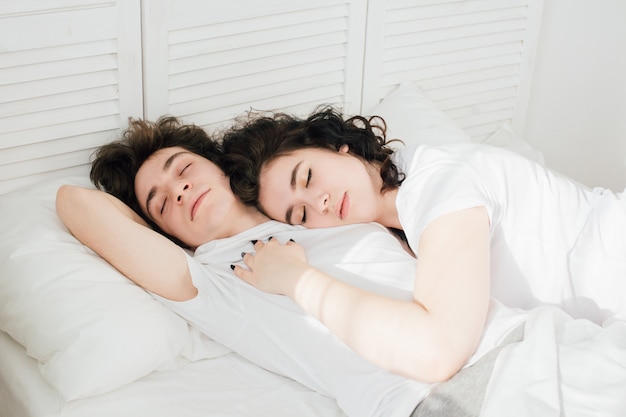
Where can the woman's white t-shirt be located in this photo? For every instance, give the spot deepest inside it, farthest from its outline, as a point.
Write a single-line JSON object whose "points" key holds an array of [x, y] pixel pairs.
{"points": [[553, 241]]}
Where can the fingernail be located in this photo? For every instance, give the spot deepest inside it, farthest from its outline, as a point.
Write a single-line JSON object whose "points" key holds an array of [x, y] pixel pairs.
{"points": [[270, 238], [243, 254], [232, 267], [253, 241], [291, 240]]}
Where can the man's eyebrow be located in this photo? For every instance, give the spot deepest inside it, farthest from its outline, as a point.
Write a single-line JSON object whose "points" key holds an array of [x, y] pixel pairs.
{"points": [[292, 183], [150, 197], [173, 156], [166, 165]]}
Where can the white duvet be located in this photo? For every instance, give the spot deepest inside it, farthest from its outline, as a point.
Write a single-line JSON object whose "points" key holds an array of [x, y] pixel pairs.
{"points": [[563, 367]]}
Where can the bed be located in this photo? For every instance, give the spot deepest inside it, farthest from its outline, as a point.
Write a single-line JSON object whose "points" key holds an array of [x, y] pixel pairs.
{"points": [[79, 339]]}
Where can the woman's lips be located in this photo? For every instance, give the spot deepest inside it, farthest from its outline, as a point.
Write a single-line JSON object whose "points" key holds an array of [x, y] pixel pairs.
{"points": [[344, 207], [195, 206]]}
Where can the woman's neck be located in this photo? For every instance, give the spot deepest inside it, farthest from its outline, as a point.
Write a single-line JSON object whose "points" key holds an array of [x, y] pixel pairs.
{"points": [[388, 212]]}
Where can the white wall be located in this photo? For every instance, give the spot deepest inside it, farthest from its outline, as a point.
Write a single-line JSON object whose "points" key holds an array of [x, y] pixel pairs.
{"points": [[577, 110]]}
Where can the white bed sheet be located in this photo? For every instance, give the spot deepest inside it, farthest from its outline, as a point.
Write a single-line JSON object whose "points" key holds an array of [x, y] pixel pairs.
{"points": [[224, 386]]}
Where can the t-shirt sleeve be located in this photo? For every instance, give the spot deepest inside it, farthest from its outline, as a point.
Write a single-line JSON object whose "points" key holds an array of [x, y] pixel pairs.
{"points": [[437, 183]]}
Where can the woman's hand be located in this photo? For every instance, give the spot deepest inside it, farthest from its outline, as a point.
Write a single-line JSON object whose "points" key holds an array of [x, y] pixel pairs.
{"points": [[274, 267]]}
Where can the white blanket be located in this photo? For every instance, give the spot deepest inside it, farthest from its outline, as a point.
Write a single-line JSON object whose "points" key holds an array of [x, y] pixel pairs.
{"points": [[563, 367]]}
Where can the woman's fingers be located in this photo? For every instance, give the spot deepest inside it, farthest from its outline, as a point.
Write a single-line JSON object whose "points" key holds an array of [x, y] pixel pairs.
{"points": [[259, 265], [243, 273]]}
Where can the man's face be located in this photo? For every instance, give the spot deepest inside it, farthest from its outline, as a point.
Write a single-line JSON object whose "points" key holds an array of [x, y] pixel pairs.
{"points": [[186, 195]]}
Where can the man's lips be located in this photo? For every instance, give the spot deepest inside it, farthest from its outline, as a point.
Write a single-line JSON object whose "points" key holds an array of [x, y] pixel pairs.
{"points": [[196, 204]]}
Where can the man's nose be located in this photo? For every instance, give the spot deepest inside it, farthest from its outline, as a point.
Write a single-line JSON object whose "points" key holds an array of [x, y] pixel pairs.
{"points": [[182, 187]]}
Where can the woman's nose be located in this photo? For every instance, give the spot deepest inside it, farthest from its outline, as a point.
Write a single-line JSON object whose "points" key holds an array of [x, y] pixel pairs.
{"points": [[323, 202]]}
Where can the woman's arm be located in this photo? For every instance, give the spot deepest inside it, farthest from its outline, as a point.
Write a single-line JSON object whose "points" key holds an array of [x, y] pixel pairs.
{"points": [[428, 339], [116, 233]]}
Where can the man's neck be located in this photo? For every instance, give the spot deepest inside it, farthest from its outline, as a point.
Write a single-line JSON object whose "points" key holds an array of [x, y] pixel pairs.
{"points": [[250, 218]]}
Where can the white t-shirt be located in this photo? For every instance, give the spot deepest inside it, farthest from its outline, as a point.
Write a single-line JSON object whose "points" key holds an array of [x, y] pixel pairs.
{"points": [[275, 333], [553, 241]]}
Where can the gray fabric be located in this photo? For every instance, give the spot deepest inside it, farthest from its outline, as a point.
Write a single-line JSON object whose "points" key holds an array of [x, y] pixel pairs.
{"points": [[463, 394]]}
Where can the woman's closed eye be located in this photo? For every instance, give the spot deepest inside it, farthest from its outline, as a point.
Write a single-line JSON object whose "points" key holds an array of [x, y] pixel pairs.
{"points": [[306, 185], [163, 205]]}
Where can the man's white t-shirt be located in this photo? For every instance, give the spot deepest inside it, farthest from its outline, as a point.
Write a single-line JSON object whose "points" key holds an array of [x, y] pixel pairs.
{"points": [[276, 334]]}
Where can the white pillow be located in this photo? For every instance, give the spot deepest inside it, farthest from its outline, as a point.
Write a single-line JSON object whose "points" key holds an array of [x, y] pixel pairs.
{"points": [[505, 137], [91, 329], [413, 118]]}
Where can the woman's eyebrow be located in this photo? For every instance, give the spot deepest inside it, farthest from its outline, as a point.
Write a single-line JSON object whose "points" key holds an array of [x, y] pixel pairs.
{"points": [[288, 215], [294, 175]]}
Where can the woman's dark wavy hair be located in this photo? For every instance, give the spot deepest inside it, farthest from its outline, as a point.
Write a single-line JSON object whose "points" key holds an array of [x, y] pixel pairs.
{"points": [[259, 139], [114, 166]]}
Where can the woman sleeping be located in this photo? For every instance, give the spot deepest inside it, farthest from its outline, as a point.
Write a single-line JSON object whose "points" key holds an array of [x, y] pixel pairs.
{"points": [[480, 219]]}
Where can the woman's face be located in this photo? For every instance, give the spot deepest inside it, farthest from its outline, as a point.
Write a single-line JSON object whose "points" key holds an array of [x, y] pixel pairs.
{"points": [[320, 188], [187, 196]]}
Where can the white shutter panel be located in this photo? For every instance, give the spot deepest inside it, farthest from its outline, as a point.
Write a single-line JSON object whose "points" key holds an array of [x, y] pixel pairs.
{"points": [[470, 57], [70, 76], [207, 62]]}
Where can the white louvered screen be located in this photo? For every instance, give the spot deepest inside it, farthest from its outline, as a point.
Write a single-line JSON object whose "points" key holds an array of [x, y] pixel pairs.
{"points": [[73, 71], [210, 61], [70, 76], [473, 58]]}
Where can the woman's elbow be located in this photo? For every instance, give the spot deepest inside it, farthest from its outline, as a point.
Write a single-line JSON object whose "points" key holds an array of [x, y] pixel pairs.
{"points": [[442, 370], [441, 364]]}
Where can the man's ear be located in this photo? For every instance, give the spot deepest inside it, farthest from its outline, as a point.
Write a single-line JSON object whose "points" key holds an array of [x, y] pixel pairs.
{"points": [[344, 148]]}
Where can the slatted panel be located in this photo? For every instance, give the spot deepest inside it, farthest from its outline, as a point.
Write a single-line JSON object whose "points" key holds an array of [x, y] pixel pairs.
{"points": [[244, 54], [69, 78], [469, 57]]}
